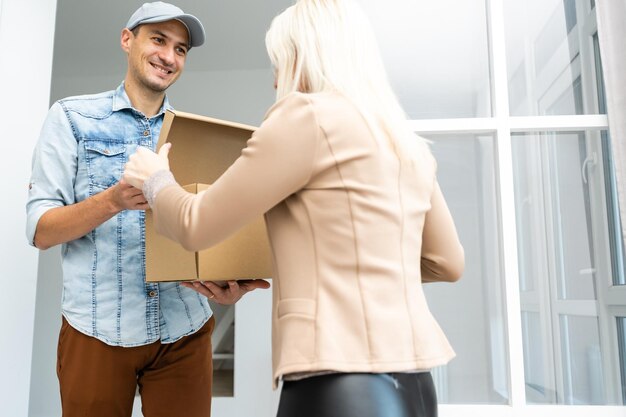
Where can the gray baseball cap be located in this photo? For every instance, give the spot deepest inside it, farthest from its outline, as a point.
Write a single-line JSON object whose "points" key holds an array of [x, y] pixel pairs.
{"points": [[159, 11]]}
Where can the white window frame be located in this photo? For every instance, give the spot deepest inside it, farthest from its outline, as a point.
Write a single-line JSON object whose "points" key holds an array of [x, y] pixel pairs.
{"points": [[502, 125]]}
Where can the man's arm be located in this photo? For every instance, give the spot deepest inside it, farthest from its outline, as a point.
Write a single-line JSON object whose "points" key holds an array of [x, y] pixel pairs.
{"points": [[62, 224], [53, 214]]}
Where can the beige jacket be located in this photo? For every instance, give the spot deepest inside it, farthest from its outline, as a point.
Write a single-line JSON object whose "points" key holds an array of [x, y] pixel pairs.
{"points": [[347, 224]]}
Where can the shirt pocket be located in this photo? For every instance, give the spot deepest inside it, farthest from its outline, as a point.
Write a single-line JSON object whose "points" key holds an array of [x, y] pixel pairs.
{"points": [[105, 162]]}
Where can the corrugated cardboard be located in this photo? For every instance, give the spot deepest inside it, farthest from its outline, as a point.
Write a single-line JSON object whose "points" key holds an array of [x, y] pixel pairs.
{"points": [[203, 148]]}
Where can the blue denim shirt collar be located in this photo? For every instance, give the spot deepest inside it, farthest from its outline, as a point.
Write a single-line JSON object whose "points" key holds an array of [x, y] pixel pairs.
{"points": [[121, 101]]}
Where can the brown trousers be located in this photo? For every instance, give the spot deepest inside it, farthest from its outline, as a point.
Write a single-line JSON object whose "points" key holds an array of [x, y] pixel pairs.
{"points": [[98, 380]]}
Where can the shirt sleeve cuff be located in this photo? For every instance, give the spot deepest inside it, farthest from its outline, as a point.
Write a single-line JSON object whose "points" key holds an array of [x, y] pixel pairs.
{"points": [[155, 183], [32, 220]]}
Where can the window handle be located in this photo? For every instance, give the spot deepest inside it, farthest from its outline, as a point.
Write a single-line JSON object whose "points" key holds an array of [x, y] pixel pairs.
{"points": [[590, 160], [587, 271]]}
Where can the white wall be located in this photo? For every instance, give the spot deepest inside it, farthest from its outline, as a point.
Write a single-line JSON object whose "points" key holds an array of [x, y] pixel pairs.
{"points": [[26, 36]]}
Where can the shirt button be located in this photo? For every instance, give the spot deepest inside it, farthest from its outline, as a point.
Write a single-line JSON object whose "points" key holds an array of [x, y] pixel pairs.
{"points": [[146, 132], [106, 151], [152, 293]]}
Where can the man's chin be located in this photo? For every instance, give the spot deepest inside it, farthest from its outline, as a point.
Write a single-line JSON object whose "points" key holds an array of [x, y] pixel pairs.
{"points": [[158, 83], [158, 87]]}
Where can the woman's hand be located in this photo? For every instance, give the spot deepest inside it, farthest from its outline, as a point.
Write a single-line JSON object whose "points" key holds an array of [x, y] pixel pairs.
{"points": [[143, 163], [228, 294]]}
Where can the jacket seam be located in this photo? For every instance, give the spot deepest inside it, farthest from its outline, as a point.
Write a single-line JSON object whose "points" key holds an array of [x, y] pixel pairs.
{"points": [[402, 257], [317, 281], [319, 131], [355, 243]]}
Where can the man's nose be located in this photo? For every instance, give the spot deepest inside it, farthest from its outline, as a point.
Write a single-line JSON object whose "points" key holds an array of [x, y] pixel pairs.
{"points": [[167, 55]]}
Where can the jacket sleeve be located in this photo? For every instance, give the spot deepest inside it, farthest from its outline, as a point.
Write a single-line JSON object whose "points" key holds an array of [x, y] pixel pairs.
{"points": [[443, 258], [277, 161]]}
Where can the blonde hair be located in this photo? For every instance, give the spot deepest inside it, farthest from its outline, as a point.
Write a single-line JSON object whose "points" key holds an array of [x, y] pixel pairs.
{"points": [[329, 45]]}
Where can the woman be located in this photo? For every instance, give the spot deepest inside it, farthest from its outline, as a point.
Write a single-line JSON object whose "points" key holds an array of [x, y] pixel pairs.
{"points": [[351, 201]]}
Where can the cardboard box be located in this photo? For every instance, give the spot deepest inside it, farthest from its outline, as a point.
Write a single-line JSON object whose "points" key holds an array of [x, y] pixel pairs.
{"points": [[203, 148]]}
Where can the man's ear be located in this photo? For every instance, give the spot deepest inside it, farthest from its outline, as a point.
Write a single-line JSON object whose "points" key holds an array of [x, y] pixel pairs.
{"points": [[126, 39]]}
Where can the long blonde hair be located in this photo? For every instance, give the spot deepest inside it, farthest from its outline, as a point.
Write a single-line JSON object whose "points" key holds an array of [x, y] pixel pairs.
{"points": [[329, 45]]}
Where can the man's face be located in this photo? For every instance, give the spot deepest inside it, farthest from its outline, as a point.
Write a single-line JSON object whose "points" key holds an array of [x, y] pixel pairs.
{"points": [[156, 54]]}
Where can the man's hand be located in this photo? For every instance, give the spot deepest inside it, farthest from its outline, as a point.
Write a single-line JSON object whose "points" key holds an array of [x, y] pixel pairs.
{"points": [[124, 196], [228, 294], [62, 224]]}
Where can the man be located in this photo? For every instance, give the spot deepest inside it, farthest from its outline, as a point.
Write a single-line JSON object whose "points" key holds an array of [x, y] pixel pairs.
{"points": [[118, 331]]}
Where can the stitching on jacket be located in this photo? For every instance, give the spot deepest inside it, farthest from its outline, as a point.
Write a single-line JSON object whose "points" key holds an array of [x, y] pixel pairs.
{"points": [[318, 130], [356, 246], [404, 277]]}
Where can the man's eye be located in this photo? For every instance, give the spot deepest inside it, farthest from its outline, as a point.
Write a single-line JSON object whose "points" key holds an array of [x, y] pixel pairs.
{"points": [[158, 40], [181, 51]]}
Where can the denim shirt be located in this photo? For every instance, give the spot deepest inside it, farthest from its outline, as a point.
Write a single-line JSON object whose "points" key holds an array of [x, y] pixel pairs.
{"points": [[84, 144]]}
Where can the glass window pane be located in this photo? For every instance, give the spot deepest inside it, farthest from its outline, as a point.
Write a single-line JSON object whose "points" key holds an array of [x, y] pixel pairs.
{"points": [[436, 55], [581, 360], [618, 252], [565, 271], [471, 309], [617, 249], [551, 63], [554, 209], [535, 370]]}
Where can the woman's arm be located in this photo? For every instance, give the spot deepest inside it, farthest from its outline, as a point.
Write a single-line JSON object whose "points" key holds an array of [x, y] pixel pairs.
{"points": [[277, 162], [443, 258]]}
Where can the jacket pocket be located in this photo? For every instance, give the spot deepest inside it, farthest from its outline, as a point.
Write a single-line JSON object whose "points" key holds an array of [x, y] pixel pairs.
{"points": [[296, 330], [105, 162], [296, 306]]}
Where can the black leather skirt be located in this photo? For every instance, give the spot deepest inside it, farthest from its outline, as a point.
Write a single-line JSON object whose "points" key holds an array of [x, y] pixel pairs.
{"points": [[360, 395]]}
